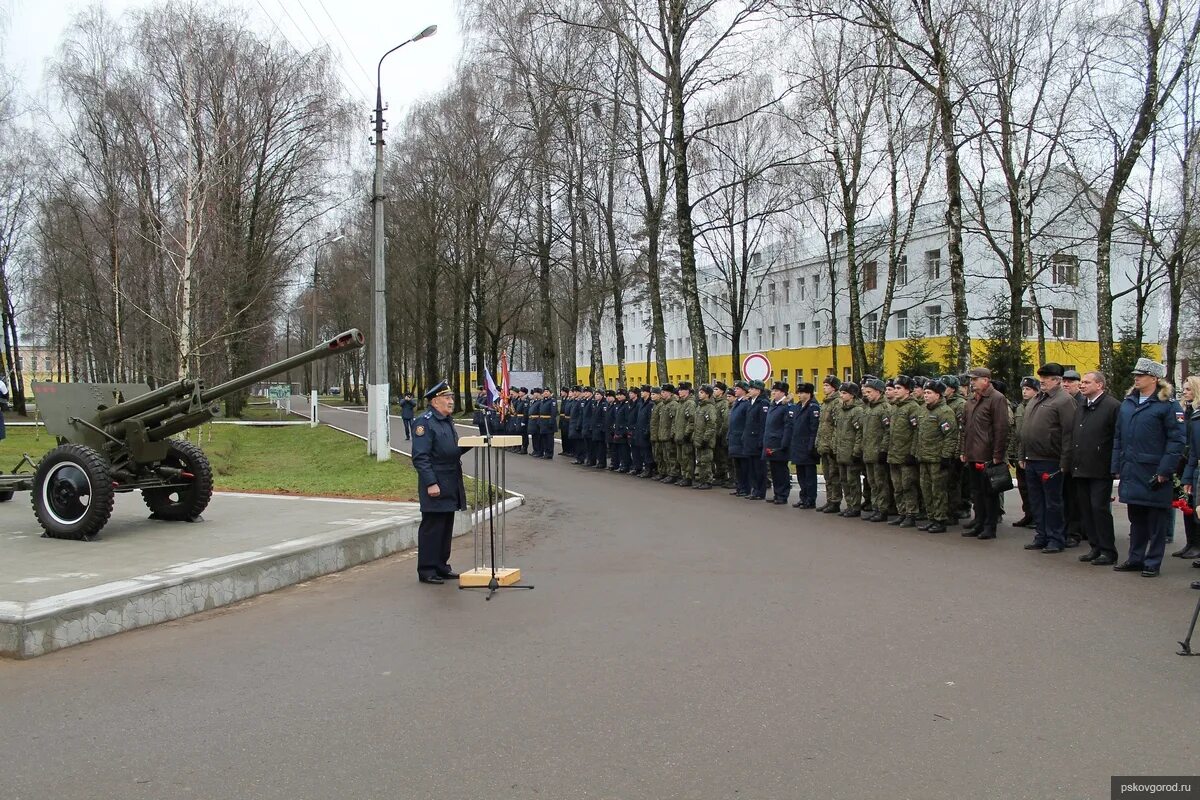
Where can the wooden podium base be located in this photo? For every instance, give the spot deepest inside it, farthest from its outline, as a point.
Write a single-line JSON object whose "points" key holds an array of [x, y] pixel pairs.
{"points": [[480, 577]]}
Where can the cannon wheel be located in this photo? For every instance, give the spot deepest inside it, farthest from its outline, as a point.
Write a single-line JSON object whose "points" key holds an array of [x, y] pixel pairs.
{"points": [[72, 492], [188, 503]]}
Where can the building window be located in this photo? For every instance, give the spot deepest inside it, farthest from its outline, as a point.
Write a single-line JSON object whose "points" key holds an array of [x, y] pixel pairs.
{"points": [[1028, 328], [745, 339], [836, 238], [872, 325], [800, 334], [901, 324], [687, 345], [933, 264], [1066, 323], [787, 291], [871, 276], [902, 271], [713, 346], [1064, 269], [800, 288], [933, 318], [771, 335], [846, 374], [771, 293], [816, 286], [758, 337], [787, 335], [816, 377], [783, 375], [816, 332]]}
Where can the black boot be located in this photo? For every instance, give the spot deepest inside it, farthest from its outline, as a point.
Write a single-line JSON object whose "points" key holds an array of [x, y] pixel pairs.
{"points": [[909, 522]]}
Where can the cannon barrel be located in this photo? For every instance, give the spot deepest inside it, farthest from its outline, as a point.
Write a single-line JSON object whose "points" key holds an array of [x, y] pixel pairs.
{"points": [[342, 343], [144, 402]]}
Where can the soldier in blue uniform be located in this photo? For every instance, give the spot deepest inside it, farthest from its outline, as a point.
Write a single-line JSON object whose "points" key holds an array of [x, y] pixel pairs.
{"points": [[438, 460], [643, 458], [524, 419], [549, 417], [537, 421], [777, 436], [752, 440], [610, 430], [580, 420], [737, 427], [566, 402], [802, 449], [598, 457], [622, 429], [408, 407]]}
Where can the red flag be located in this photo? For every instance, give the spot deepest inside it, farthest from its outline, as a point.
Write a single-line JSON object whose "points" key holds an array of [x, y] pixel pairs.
{"points": [[504, 385]]}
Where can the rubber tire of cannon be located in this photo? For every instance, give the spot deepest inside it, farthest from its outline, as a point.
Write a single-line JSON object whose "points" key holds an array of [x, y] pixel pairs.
{"points": [[191, 501], [85, 469]]}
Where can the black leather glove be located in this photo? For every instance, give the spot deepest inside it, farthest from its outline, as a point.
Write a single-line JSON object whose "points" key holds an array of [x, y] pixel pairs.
{"points": [[883, 458], [947, 463], [910, 461]]}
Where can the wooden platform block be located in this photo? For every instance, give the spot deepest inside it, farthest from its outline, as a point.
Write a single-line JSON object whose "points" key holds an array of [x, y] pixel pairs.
{"points": [[482, 577], [497, 441]]}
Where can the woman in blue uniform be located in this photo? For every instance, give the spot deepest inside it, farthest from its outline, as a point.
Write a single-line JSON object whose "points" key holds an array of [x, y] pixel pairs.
{"points": [[438, 461]]}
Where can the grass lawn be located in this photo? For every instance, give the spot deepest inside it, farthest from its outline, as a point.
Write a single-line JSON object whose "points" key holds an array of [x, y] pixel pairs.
{"points": [[284, 460]]}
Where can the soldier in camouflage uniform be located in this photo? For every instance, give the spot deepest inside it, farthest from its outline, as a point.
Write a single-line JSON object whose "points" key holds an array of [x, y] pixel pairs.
{"points": [[833, 480], [705, 434], [877, 419], [1030, 387], [669, 470], [685, 423], [721, 450], [902, 458], [937, 450], [960, 481], [848, 446]]}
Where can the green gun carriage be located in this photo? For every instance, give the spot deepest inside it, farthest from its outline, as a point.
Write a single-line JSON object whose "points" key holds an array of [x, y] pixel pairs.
{"points": [[117, 437]]}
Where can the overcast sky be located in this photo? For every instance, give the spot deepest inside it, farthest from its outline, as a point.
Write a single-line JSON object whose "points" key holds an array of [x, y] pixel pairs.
{"points": [[360, 31]]}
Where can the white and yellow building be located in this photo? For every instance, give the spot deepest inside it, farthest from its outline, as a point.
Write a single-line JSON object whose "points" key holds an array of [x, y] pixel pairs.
{"points": [[791, 321]]}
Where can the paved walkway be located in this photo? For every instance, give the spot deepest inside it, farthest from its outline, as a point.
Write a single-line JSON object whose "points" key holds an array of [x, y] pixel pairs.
{"points": [[679, 644]]}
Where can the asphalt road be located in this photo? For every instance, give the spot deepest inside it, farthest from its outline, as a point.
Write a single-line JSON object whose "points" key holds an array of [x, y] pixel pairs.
{"points": [[679, 644]]}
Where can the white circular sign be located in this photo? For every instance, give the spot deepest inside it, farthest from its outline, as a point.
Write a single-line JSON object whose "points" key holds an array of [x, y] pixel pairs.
{"points": [[756, 367]]}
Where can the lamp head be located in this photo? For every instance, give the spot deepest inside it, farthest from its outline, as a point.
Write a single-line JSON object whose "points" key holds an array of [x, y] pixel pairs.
{"points": [[425, 34]]}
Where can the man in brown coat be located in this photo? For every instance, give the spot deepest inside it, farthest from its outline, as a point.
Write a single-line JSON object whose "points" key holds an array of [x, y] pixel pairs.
{"points": [[985, 442], [1046, 452]]}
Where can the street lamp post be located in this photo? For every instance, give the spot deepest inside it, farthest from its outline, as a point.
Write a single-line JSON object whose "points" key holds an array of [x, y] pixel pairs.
{"points": [[312, 410], [378, 393]]}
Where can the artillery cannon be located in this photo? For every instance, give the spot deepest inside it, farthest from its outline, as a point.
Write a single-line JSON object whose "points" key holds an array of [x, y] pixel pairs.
{"points": [[116, 437]]}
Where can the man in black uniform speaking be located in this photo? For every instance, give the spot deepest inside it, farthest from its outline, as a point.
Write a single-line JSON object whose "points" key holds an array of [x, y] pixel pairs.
{"points": [[438, 461]]}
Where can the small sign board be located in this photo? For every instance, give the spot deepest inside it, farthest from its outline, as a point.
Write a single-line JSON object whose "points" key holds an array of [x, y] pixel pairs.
{"points": [[756, 367], [279, 392]]}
